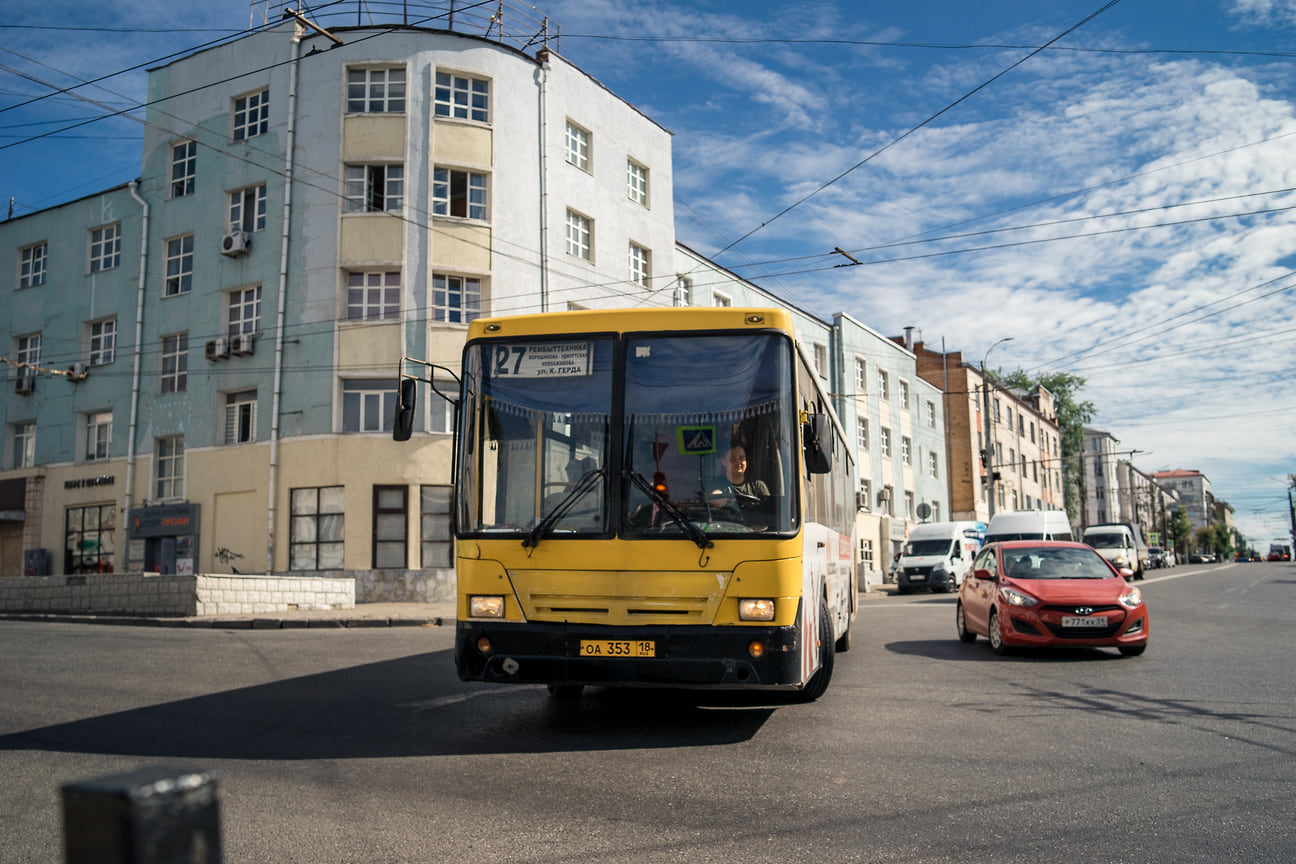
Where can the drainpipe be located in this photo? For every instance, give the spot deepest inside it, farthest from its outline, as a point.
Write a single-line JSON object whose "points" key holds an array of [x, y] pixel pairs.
{"points": [[273, 474], [129, 497]]}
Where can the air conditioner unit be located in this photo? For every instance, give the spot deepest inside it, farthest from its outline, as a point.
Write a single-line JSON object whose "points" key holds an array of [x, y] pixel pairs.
{"points": [[242, 344], [24, 384], [884, 495], [78, 372], [236, 243], [218, 349]]}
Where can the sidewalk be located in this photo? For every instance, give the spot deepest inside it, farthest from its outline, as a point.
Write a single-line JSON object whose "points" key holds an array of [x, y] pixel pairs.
{"points": [[363, 615]]}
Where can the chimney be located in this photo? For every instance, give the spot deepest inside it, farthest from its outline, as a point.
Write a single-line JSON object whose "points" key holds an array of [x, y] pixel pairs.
{"points": [[909, 343]]}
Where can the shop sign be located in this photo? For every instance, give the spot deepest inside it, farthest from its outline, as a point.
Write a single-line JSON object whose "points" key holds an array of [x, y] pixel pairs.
{"points": [[89, 482], [167, 520]]}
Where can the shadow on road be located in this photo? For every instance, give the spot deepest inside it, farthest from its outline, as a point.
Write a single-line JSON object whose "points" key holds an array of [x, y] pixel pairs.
{"points": [[413, 706]]}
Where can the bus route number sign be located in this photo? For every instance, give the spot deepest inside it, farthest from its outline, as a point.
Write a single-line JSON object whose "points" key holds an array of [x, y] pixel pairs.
{"points": [[541, 360], [618, 648]]}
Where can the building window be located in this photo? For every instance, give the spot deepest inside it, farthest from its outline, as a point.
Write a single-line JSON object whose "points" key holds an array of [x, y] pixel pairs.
{"points": [[722, 300], [683, 291], [103, 342], [170, 468], [935, 511], [184, 168], [390, 526], [252, 115], [884, 385], [29, 351], [636, 182], [98, 435], [861, 376], [456, 299], [105, 248], [462, 98], [368, 406], [1012, 459], [375, 188], [640, 265], [32, 264], [906, 450], [903, 392], [931, 415], [578, 146], [88, 538], [179, 265], [821, 360], [240, 417], [22, 453], [884, 441], [580, 236], [244, 311], [440, 411], [247, 209], [376, 91], [317, 529], [866, 553], [434, 526], [933, 465], [175, 363], [458, 193], [909, 505], [865, 495], [861, 433], [373, 296]]}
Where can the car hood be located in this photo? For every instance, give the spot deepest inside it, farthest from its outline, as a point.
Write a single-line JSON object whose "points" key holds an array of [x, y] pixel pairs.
{"points": [[1087, 591]]}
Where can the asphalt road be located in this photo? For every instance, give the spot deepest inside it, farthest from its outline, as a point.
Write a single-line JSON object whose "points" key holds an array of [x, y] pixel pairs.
{"points": [[360, 745]]}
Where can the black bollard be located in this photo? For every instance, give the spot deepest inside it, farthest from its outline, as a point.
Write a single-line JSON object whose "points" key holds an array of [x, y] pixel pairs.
{"points": [[155, 815]]}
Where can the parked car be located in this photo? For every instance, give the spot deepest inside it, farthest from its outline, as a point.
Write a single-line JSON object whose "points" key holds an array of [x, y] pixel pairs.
{"points": [[1159, 558], [1040, 594]]}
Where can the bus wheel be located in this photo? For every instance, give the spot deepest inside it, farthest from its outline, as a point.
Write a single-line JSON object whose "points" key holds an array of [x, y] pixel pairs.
{"points": [[566, 692], [818, 683]]}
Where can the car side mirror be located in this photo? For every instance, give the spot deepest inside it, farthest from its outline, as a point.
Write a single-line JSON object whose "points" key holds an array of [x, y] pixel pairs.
{"points": [[983, 574], [817, 433]]}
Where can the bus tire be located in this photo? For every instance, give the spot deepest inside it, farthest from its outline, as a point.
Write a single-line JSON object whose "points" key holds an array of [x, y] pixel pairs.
{"points": [[818, 683]]}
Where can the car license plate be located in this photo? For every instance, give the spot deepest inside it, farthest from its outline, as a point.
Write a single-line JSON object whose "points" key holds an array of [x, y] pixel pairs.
{"points": [[918, 577], [618, 648], [1088, 621]]}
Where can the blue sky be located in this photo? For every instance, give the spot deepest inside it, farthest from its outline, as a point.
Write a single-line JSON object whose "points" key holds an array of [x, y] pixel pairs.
{"points": [[1120, 203]]}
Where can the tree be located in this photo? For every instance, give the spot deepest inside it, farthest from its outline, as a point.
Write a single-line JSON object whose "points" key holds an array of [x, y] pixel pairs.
{"points": [[1072, 415], [1180, 531]]}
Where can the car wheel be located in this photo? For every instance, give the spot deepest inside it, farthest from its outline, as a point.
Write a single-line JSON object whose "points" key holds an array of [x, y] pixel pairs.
{"points": [[818, 683], [996, 635], [900, 589], [960, 623], [1132, 650]]}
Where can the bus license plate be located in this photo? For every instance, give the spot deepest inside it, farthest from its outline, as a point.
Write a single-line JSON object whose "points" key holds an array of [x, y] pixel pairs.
{"points": [[618, 648], [1091, 621]]}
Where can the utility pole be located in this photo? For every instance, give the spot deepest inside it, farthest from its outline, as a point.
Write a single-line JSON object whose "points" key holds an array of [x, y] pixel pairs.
{"points": [[988, 451]]}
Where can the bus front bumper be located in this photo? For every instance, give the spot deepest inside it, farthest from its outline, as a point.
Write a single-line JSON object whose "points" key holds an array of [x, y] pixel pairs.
{"points": [[701, 656]]}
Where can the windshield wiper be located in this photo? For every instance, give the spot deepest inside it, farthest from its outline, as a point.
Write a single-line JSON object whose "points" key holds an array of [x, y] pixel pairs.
{"points": [[694, 532], [588, 481]]}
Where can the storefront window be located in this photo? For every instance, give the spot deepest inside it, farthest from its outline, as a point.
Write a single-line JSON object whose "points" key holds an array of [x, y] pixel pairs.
{"points": [[89, 544]]}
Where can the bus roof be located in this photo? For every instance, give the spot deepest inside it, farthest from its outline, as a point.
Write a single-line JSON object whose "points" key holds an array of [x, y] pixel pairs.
{"points": [[633, 320]]}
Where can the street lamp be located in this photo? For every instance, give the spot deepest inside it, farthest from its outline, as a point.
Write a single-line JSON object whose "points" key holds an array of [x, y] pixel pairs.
{"points": [[988, 452]]}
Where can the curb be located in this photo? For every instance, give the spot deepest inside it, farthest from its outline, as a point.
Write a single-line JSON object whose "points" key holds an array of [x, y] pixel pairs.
{"points": [[225, 623]]}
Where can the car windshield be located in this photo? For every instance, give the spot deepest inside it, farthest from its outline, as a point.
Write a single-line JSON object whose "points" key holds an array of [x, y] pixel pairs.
{"points": [[1114, 540], [1054, 562], [927, 547]]}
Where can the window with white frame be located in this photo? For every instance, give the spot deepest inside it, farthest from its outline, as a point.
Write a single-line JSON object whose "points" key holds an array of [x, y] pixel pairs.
{"points": [[722, 300], [252, 115], [375, 188], [434, 527], [821, 360], [866, 552], [636, 182], [861, 434], [461, 97], [935, 511], [376, 90], [170, 468], [458, 193], [903, 393], [317, 528], [909, 505], [179, 265], [240, 417], [933, 465], [247, 209], [373, 295], [865, 502], [32, 263], [906, 449], [884, 441], [244, 311], [861, 375], [175, 363], [884, 385], [22, 453], [580, 236], [184, 168], [105, 247], [98, 435], [368, 405], [456, 299], [103, 341], [931, 414], [28, 351], [441, 411], [578, 146], [683, 291], [640, 265]]}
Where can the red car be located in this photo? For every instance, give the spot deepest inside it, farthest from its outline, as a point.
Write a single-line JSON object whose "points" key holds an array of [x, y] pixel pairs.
{"points": [[1043, 593]]}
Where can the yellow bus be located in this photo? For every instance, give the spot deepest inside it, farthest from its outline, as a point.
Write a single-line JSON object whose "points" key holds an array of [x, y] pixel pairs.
{"points": [[648, 497]]}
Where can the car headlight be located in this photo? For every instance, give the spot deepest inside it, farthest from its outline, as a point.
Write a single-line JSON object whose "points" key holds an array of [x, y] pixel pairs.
{"points": [[488, 606], [1131, 598], [1013, 597], [759, 609], [1119, 561]]}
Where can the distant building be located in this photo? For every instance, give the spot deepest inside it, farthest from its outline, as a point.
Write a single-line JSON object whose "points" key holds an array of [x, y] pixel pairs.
{"points": [[1193, 491]]}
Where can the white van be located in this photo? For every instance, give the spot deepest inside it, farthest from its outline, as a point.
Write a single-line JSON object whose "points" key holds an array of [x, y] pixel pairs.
{"points": [[1029, 525], [1117, 542], [936, 555]]}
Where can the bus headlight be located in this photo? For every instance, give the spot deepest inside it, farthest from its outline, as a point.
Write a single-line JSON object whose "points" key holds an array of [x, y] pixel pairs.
{"points": [[485, 606], [756, 610]]}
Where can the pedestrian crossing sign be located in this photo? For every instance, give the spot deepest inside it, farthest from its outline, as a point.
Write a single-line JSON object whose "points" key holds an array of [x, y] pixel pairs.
{"points": [[695, 440]]}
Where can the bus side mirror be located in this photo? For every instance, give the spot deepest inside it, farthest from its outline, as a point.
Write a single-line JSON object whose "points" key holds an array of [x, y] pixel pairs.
{"points": [[818, 443], [403, 426]]}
